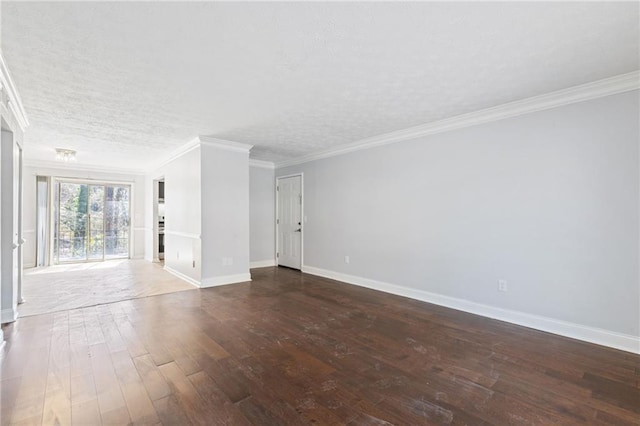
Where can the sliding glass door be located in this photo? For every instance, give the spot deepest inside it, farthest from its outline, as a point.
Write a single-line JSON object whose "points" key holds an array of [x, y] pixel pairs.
{"points": [[91, 221], [70, 239], [116, 221], [95, 222]]}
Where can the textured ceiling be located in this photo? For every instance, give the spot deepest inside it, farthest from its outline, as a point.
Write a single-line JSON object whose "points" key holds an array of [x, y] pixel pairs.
{"points": [[124, 83]]}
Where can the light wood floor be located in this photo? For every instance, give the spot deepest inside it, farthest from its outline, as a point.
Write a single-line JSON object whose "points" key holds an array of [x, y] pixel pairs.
{"points": [[294, 349], [64, 287]]}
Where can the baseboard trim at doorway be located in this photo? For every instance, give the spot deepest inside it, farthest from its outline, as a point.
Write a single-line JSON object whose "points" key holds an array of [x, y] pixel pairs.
{"points": [[226, 279], [8, 315], [182, 276], [262, 263]]}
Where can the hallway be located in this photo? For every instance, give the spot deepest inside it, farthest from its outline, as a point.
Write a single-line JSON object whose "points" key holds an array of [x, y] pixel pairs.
{"points": [[78, 285]]}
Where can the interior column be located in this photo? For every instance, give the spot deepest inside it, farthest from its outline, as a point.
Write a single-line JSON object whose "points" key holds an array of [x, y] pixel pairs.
{"points": [[225, 212]]}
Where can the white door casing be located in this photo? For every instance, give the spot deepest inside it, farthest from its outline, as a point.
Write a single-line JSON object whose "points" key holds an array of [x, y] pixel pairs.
{"points": [[289, 221], [11, 223], [17, 221], [1, 244]]}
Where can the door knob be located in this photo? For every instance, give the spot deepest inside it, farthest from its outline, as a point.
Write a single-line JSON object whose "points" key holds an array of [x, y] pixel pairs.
{"points": [[298, 230]]}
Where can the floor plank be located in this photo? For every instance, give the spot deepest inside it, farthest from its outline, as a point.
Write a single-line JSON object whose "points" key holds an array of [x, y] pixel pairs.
{"points": [[290, 348], [64, 287]]}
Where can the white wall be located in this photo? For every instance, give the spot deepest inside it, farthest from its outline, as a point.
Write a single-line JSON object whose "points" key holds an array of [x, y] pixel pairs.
{"points": [[225, 215], [548, 201], [262, 216], [29, 202], [182, 215]]}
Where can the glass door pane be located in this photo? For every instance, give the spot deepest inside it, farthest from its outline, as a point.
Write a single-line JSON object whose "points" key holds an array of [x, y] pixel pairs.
{"points": [[117, 219], [91, 221], [71, 235], [42, 215], [96, 222]]}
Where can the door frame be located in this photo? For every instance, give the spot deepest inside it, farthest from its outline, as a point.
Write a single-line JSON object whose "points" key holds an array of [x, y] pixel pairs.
{"points": [[52, 219], [43, 241], [12, 243], [21, 239], [155, 232], [302, 221]]}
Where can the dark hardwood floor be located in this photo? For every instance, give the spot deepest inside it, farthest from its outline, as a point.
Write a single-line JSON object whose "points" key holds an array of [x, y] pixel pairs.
{"points": [[290, 348]]}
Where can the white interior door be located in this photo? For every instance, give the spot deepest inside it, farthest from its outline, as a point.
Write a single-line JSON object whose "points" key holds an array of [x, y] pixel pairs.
{"points": [[289, 222]]}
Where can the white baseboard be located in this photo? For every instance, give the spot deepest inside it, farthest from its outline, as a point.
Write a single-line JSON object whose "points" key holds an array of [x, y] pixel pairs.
{"points": [[262, 263], [595, 335], [224, 280], [182, 276], [8, 315]]}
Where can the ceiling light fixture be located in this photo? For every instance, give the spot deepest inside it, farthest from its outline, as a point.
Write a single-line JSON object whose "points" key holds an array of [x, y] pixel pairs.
{"points": [[65, 155]]}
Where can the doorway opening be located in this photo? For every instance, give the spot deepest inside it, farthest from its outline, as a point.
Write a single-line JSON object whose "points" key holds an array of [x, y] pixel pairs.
{"points": [[289, 221], [158, 219]]}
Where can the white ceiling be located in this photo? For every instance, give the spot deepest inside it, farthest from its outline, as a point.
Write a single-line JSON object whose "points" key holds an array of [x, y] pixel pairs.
{"points": [[125, 83]]}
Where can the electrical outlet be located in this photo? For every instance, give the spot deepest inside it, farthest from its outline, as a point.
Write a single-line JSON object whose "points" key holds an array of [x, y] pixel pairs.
{"points": [[346, 260], [194, 263], [502, 285], [178, 255]]}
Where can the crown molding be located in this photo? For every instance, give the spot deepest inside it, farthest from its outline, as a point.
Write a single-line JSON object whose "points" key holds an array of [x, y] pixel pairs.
{"points": [[13, 101], [196, 143], [224, 144], [261, 164], [82, 167], [175, 154], [584, 92]]}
